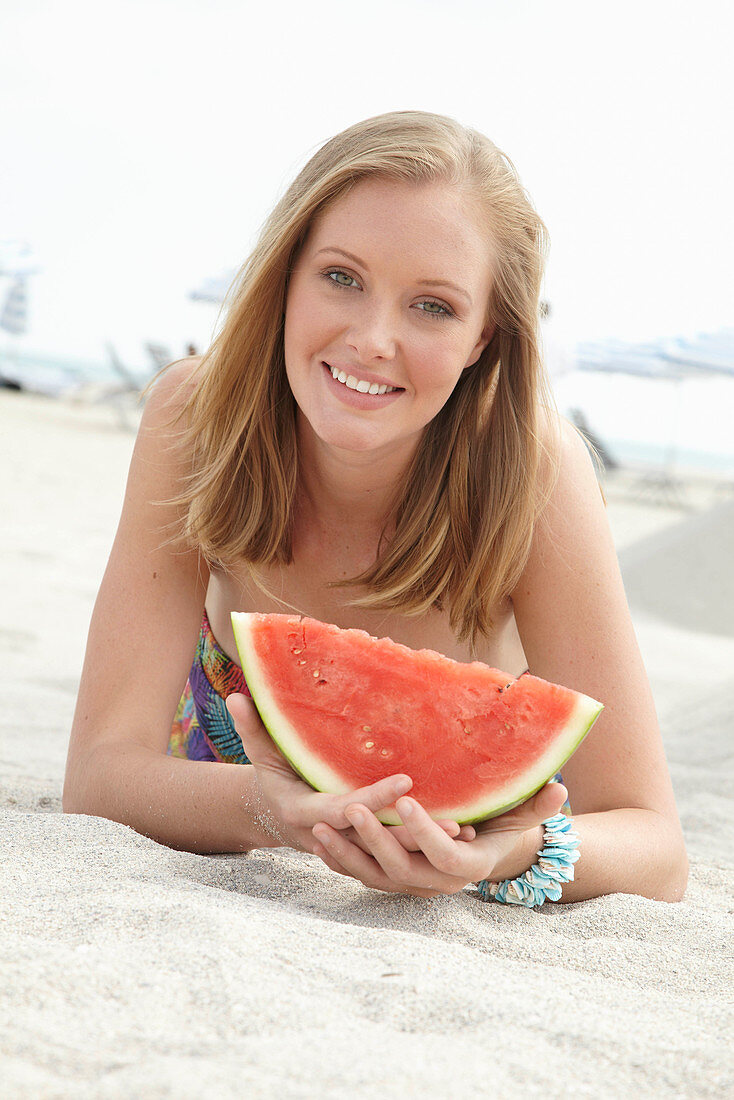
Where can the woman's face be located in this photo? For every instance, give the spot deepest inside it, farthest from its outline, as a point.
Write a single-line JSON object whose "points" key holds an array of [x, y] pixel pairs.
{"points": [[389, 294]]}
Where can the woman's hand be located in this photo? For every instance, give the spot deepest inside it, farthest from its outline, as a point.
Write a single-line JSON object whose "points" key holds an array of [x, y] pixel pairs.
{"points": [[438, 864], [290, 808]]}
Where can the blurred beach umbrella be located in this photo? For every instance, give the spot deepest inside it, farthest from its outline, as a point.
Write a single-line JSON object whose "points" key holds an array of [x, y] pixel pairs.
{"points": [[707, 353], [672, 361], [214, 288], [618, 357], [14, 317]]}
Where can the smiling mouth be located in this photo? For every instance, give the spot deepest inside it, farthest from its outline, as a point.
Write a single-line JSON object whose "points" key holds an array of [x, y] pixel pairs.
{"points": [[361, 385]]}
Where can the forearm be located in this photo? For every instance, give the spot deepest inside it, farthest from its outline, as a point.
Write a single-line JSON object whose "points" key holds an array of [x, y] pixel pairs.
{"points": [[627, 851], [190, 805]]}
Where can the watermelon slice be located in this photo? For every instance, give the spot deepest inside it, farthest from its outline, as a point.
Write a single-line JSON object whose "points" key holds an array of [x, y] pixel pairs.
{"points": [[347, 709]]}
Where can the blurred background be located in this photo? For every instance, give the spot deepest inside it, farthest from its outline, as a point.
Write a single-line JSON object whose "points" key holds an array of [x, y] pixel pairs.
{"points": [[144, 142]]}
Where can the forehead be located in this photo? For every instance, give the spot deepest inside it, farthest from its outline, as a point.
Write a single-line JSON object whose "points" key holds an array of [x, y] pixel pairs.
{"points": [[414, 222]]}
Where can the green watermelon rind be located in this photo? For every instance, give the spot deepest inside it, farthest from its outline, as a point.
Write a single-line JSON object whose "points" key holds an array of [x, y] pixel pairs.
{"points": [[314, 771]]}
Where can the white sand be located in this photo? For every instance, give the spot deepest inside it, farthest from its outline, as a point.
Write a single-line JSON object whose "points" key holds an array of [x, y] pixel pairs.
{"points": [[131, 970]]}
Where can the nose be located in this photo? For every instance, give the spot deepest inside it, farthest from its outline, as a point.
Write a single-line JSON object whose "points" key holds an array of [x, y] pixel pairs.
{"points": [[373, 334]]}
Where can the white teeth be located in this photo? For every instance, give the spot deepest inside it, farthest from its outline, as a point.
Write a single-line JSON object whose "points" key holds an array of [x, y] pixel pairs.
{"points": [[359, 384]]}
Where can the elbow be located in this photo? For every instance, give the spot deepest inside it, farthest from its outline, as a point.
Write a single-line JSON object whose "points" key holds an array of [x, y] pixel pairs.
{"points": [[74, 796], [80, 782], [70, 803], [673, 888], [681, 881], [668, 868]]}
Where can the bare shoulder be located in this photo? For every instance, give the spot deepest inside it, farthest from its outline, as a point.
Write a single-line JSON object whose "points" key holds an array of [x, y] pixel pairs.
{"points": [[160, 457], [172, 388], [568, 470], [572, 563]]}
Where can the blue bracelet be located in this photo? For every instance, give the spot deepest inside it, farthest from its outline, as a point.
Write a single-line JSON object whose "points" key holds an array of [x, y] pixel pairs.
{"points": [[543, 880]]}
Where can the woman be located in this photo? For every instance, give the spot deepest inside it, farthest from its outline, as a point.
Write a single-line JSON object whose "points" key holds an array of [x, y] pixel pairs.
{"points": [[368, 442]]}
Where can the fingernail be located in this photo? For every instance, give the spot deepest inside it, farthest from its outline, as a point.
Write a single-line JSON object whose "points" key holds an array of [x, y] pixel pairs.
{"points": [[356, 817], [403, 784], [405, 809]]}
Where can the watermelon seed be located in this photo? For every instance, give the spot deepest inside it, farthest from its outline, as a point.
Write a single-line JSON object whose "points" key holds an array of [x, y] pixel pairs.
{"points": [[301, 662], [369, 744], [320, 682], [367, 729], [383, 752], [317, 673], [298, 651]]}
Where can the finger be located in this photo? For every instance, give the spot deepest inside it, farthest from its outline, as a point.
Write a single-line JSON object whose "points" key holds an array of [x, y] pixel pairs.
{"points": [[456, 831], [382, 794], [545, 803], [444, 852], [466, 832], [256, 741], [347, 858], [331, 863], [409, 869], [378, 796]]}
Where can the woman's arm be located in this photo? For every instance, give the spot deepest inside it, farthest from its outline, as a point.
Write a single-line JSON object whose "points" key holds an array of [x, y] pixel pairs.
{"points": [[141, 641], [576, 630]]}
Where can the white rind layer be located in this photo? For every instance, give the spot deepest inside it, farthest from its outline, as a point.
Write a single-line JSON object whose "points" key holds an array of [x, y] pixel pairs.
{"points": [[320, 776]]}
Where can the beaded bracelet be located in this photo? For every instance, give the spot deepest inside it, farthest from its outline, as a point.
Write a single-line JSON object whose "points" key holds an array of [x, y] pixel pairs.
{"points": [[543, 880]]}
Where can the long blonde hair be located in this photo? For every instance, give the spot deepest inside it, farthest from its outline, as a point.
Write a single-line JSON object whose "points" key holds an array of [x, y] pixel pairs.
{"points": [[462, 525]]}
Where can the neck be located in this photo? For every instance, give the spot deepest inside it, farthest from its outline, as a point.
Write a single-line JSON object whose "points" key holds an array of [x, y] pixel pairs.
{"points": [[348, 490]]}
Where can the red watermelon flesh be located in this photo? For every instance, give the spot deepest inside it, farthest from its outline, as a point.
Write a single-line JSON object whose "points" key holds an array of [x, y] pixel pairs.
{"points": [[347, 709]]}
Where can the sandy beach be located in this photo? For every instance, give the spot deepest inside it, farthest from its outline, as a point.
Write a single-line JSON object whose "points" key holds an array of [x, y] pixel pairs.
{"points": [[128, 969]]}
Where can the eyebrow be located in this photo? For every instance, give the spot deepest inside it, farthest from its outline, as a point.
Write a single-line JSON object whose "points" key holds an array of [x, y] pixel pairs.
{"points": [[420, 282]]}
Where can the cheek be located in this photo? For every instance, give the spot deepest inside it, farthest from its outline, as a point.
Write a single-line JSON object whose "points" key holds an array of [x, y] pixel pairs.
{"points": [[306, 323], [439, 361]]}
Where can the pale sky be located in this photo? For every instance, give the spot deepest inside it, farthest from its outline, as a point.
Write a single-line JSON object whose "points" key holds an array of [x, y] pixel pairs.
{"points": [[143, 143]]}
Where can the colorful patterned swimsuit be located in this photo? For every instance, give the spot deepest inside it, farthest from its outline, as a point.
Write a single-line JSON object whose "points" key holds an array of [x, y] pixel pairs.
{"points": [[203, 728]]}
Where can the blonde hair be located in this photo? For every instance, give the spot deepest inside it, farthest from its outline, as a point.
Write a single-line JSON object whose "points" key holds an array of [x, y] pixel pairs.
{"points": [[462, 525]]}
